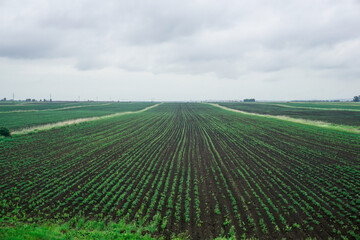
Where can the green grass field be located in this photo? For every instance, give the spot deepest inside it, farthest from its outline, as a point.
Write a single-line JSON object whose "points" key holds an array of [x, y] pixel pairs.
{"points": [[181, 170]]}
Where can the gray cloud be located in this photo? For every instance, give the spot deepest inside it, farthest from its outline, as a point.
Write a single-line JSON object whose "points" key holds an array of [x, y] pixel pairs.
{"points": [[229, 39]]}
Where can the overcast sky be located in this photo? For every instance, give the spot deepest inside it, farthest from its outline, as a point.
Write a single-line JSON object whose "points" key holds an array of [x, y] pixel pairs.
{"points": [[180, 50]]}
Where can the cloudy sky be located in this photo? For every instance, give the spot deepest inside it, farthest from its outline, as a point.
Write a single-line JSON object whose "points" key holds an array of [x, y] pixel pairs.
{"points": [[180, 50]]}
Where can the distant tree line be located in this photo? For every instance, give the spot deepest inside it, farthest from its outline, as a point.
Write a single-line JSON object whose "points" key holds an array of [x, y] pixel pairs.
{"points": [[28, 100], [249, 100], [356, 99]]}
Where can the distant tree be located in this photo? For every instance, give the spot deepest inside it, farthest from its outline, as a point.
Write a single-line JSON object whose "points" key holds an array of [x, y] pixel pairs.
{"points": [[249, 100], [356, 99], [4, 132]]}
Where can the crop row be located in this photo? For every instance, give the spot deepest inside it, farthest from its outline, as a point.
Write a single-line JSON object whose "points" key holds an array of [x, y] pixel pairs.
{"points": [[190, 168], [25, 118], [347, 116]]}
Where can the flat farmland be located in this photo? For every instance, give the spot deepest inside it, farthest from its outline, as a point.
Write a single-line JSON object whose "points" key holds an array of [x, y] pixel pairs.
{"points": [[25, 115], [188, 168], [322, 105], [344, 113]]}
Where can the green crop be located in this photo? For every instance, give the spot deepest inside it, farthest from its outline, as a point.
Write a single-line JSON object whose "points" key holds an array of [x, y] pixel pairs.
{"points": [[185, 169]]}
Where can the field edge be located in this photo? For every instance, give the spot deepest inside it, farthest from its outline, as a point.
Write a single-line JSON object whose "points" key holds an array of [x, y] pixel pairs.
{"points": [[322, 124]]}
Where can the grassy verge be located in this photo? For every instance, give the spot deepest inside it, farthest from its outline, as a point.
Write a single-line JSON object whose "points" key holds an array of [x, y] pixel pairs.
{"points": [[79, 229]]}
